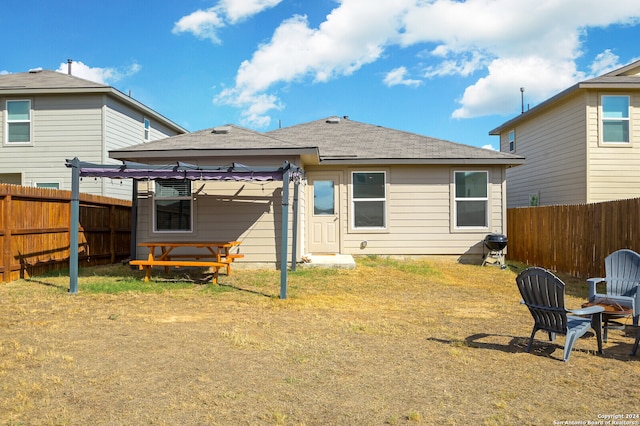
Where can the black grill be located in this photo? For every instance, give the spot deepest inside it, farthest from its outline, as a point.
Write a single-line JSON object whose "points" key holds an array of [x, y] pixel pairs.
{"points": [[494, 244]]}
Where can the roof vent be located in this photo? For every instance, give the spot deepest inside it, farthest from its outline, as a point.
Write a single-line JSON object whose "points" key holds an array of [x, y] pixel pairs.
{"points": [[35, 70], [221, 130], [333, 120]]}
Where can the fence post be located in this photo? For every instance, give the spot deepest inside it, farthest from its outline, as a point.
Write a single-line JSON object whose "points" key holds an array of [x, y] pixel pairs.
{"points": [[6, 238], [112, 233]]}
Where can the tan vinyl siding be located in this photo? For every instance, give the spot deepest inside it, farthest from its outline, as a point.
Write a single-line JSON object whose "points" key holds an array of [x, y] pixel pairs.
{"points": [[250, 212], [62, 127], [613, 171], [65, 126], [420, 217], [124, 127], [553, 144]]}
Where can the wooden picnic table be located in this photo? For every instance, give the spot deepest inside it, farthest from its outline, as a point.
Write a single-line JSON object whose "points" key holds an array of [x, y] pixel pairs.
{"points": [[212, 254]]}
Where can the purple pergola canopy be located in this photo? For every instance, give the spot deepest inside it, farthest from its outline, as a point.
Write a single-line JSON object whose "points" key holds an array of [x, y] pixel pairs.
{"points": [[233, 172]]}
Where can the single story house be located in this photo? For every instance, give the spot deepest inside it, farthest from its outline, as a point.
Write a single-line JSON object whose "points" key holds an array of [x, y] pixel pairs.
{"points": [[362, 190]]}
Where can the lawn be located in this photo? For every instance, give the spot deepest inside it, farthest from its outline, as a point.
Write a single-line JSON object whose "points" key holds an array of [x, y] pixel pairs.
{"points": [[427, 341]]}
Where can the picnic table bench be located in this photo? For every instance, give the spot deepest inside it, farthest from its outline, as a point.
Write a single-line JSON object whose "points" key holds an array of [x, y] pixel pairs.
{"points": [[216, 255]]}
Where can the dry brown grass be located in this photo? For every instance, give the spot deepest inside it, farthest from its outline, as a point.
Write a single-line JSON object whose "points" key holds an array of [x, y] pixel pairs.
{"points": [[415, 342]]}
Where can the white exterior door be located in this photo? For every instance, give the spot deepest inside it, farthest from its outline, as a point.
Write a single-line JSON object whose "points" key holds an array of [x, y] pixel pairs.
{"points": [[324, 218]]}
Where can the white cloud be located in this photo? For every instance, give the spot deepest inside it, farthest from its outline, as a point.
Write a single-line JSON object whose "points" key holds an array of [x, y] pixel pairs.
{"points": [[397, 77], [605, 62], [464, 65], [353, 35], [503, 44], [97, 74], [499, 91], [254, 106], [204, 24], [237, 10], [489, 147]]}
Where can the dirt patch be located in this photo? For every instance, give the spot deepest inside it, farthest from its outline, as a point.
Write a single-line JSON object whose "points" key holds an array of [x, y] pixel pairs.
{"points": [[417, 341]]}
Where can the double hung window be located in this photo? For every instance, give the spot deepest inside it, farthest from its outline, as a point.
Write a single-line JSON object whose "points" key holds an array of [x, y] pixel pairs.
{"points": [[18, 122], [369, 200], [512, 141], [471, 199], [147, 129], [615, 119], [173, 206]]}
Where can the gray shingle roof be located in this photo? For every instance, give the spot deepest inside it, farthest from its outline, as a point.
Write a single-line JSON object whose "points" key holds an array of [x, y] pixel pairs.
{"points": [[45, 79], [331, 139], [216, 138], [352, 140]]}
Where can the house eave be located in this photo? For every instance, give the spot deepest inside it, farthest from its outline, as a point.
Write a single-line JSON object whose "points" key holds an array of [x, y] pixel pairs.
{"points": [[585, 85], [148, 112], [610, 86], [423, 161], [525, 115], [172, 154]]}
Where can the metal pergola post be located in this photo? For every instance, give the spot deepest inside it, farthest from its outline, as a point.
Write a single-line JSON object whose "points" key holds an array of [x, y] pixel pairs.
{"points": [[74, 226], [285, 233], [134, 219]]}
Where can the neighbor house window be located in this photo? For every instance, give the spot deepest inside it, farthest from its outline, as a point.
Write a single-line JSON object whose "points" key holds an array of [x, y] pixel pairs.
{"points": [[173, 205], [512, 140], [471, 199], [18, 122], [147, 129], [615, 119], [368, 200], [50, 185]]}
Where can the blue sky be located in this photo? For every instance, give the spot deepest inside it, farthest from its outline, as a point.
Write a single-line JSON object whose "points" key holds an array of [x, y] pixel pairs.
{"points": [[449, 69]]}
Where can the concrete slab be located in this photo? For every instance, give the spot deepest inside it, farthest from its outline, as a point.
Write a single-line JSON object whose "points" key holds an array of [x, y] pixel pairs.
{"points": [[339, 261]]}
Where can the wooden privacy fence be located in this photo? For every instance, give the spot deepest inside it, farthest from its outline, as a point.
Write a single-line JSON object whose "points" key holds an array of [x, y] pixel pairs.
{"points": [[573, 239], [34, 230]]}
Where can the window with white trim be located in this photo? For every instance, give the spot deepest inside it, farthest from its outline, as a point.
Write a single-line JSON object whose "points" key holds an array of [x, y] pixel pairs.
{"points": [[173, 206], [512, 141], [147, 129], [49, 185], [369, 200], [615, 119], [18, 121], [471, 199]]}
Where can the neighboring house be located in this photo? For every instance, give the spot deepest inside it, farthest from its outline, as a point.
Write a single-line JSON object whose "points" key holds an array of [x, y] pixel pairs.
{"points": [[47, 117], [366, 190], [581, 146]]}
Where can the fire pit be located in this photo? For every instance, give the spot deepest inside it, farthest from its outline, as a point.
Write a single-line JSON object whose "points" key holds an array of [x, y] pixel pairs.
{"points": [[492, 250], [611, 315]]}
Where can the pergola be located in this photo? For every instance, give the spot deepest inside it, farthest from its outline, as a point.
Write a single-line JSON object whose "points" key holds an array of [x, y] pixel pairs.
{"points": [[235, 172]]}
